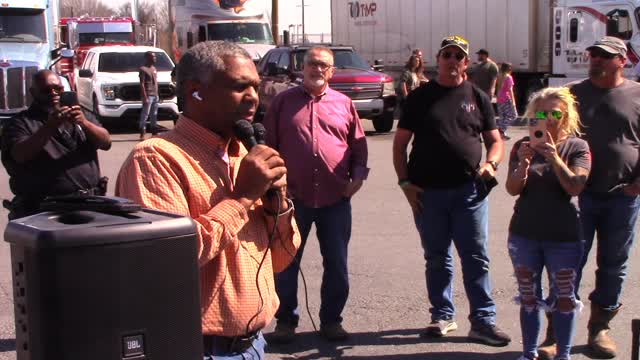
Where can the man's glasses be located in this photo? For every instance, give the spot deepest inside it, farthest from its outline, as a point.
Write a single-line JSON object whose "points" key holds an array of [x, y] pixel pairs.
{"points": [[447, 55], [56, 89], [319, 65], [601, 54], [556, 114]]}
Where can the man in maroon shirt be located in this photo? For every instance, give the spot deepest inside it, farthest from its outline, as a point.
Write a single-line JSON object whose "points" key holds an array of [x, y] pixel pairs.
{"points": [[318, 132]]}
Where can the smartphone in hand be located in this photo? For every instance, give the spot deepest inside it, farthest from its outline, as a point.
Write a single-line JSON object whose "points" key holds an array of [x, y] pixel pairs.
{"points": [[537, 131], [68, 98]]}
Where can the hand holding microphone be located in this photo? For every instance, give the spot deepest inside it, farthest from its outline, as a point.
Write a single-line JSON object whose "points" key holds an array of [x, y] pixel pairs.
{"points": [[261, 170]]}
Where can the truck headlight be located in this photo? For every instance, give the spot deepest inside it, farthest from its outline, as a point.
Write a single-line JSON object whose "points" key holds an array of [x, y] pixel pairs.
{"points": [[109, 92], [388, 89]]}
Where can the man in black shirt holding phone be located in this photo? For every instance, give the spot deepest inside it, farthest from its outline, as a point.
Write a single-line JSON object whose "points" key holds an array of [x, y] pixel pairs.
{"points": [[446, 186], [51, 148]]}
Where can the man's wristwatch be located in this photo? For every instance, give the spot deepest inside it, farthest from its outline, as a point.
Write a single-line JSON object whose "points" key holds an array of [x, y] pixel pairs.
{"points": [[494, 164]]}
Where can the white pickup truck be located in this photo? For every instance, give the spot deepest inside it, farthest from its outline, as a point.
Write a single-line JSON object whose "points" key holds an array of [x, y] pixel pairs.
{"points": [[109, 86]]}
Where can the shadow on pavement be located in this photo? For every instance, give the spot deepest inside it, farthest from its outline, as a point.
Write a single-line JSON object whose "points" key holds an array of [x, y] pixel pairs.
{"points": [[7, 345], [310, 341]]}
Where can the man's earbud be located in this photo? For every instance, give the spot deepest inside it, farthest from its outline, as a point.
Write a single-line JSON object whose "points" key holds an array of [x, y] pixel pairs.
{"points": [[196, 95]]}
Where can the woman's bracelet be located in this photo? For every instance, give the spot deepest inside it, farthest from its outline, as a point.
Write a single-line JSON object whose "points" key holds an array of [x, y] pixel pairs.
{"points": [[285, 212]]}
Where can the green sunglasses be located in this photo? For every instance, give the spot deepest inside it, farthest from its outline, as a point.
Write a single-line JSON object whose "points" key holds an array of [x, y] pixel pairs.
{"points": [[557, 114]]}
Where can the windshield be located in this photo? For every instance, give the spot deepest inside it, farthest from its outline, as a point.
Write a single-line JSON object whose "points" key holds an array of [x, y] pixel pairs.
{"points": [[131, 62], [22, 25], [342, 59], [101, 38], [242, 33]]}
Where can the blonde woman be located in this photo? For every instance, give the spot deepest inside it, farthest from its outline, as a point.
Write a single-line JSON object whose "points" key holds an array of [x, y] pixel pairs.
{"points": [[544, 229]]}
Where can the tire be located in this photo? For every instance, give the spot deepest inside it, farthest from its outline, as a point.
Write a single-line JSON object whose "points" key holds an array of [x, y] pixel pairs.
{"points": [[384, 122], [94, 110]]}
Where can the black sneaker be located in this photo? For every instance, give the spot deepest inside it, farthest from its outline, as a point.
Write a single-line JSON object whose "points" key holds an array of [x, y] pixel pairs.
{"points": [[440, 328], [489, 334]]}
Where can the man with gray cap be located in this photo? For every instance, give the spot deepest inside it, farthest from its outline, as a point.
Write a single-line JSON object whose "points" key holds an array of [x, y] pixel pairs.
{"points": [[446, 185], [609, 107]]}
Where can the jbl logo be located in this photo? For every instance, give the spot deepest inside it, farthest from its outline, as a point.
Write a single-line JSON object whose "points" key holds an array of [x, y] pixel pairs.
{"points": [[132, 346]]}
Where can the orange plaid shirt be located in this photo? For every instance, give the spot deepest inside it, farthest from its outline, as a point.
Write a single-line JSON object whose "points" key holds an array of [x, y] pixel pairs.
{"points": [[190, 171]]}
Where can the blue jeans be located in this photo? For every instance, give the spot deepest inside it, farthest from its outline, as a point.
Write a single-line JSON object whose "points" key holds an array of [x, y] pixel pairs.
{"points": [[562, 260], [333, 226], [149, 110], [458, 215], [254, 352], [613, 217]]}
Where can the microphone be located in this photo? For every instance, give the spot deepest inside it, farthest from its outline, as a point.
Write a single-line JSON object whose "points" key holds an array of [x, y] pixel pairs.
{"points": [[243, 130], [260, 133], [250, 136]]}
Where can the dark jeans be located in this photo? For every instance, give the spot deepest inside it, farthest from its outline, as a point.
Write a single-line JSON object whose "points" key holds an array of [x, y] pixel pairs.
{"points": [[333, 226], [460, 216], [613, 217]]}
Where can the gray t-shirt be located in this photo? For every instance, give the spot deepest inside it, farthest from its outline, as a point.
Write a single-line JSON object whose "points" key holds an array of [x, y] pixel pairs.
{"points": [[483, 74], [611, 126], [544, 211]]}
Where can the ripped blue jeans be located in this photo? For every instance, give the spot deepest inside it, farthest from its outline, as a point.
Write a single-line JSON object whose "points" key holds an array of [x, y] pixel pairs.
{"points": [[562, 261]]}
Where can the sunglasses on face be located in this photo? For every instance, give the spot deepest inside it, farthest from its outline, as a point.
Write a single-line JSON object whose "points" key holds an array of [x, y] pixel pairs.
{"points": [[601, 54], [319, 65], [448, 54], [57, 89], [556, 114]]}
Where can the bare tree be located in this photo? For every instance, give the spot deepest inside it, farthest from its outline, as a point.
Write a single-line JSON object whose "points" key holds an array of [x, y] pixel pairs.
{"points": [[148, 11], [76, 8]]}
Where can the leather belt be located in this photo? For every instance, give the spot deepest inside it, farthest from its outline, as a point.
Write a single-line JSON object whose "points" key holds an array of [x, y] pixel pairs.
{"points": [[234, 344]]}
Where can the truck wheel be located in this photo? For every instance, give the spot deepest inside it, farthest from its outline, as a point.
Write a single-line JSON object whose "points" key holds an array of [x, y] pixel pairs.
{"points": [[96, 113], [384, 122]]}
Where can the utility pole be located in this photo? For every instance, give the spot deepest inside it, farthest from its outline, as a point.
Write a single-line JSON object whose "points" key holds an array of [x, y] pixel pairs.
{"points": [[275, 19], [134, 10], [303, 29]]}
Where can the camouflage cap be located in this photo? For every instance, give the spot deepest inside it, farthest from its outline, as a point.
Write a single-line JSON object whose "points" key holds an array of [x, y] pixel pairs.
{"points": [[457, 41]]}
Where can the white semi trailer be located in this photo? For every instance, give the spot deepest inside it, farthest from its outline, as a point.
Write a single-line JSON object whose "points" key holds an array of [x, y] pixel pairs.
{"points": [[544, 40]]}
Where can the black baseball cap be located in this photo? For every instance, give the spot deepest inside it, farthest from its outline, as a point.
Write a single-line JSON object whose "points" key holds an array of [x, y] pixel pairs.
{"points": [[483, 52]]}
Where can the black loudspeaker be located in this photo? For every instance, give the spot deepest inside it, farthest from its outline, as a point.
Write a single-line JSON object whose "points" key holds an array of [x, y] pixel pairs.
{"points": [[91, 285]]}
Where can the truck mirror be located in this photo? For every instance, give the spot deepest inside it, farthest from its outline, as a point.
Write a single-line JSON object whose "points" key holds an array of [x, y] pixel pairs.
{"points": [[85, 73], [67, 53], [378, 65]]}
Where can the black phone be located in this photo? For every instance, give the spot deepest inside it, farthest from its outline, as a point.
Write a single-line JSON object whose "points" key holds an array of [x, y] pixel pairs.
{"points": [[68, 98]]}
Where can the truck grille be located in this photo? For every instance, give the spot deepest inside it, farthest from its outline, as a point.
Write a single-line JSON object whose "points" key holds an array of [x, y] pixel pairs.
{"points": [[359, 91], [14, 88], [132, 92]]}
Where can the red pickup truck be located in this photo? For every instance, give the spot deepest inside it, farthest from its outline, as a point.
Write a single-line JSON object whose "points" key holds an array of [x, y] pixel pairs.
{"points": [[372, 91]]}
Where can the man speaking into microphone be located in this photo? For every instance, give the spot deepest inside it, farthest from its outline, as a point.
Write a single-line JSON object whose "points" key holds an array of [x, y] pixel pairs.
{"points": [[200, 169]]}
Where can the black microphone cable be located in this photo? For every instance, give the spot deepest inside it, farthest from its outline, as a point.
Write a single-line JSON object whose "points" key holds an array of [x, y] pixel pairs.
{"points": [[251, 135]]}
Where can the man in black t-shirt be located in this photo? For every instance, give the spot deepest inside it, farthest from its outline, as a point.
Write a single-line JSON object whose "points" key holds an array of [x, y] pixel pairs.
{"points": [[446, 187], [50, 149]]}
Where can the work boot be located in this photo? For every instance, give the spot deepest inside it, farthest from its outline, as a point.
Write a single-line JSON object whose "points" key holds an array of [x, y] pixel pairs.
{"points": [[284, 333], [600, 343], [547, 350], [143, 131], [334, 332]]}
